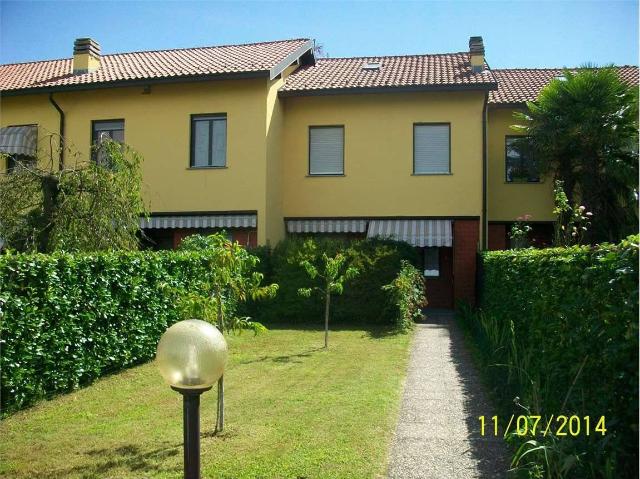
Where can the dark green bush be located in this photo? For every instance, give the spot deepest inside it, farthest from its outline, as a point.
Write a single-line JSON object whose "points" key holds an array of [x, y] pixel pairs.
{"points": [[263, 253], [68, 319], [562, 324], [363, 300]]}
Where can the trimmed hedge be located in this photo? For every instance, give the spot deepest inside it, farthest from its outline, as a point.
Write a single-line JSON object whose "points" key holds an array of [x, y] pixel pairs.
{"points": [[66, 320], [364, 301], [564, 322]]}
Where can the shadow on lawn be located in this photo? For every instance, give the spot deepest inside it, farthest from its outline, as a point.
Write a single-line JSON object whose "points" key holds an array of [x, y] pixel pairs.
{"points": [[371, 331], [130, 457], [290, 358], [374, 332]]}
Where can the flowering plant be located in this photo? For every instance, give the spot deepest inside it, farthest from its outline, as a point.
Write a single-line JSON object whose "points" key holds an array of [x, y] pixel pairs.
{"points": [[572, 222], [519, 233]]}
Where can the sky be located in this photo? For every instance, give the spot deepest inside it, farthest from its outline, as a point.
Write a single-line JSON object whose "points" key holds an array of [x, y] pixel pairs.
{"points": [[516, 33]]}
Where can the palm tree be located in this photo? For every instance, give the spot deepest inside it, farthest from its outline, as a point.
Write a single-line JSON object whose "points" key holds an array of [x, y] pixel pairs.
{"points": [[583, 130]]}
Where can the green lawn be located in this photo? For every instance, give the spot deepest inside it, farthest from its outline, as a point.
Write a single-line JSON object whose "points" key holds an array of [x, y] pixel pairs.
{"points": [[293, 410]]}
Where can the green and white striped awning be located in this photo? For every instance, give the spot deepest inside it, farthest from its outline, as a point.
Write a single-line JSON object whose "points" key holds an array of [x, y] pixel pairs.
{"points": [[19, 140], [327, 225], [199, 221], [415, 232]]}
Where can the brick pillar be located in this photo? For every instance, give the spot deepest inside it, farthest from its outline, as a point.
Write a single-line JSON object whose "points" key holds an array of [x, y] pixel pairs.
{"points": [[497, 237], [466, 235]]}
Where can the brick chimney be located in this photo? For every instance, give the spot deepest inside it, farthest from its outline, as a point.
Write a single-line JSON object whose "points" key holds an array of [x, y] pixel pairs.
{"points": [[86, 56], [476, 54]]}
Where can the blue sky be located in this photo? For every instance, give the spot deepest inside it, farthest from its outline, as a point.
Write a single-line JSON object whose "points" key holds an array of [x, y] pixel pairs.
{"points": [[516, 33]]}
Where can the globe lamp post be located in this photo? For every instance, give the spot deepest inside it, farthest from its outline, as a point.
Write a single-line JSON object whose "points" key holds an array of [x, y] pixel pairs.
{"points": [[191, 357]]}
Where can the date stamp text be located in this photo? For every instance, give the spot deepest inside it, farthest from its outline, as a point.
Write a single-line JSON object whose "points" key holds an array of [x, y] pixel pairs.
{"points": [[531, 425]]}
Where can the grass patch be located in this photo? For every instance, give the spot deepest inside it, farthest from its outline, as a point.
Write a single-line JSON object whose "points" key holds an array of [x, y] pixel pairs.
{"points": [[292, 410]]}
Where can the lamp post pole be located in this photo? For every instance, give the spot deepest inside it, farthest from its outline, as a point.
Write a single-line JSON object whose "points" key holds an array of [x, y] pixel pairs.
{"points": [[191, 357], [191, 430]]}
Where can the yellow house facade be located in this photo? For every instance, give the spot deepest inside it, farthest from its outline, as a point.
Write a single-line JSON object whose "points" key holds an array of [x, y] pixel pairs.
{"points": [[265, 140]]}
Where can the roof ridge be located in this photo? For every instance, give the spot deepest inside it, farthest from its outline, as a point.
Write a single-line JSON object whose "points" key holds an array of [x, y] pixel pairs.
{"points": [[163, 50], [209, 46], [35, 61], [394, 56]]}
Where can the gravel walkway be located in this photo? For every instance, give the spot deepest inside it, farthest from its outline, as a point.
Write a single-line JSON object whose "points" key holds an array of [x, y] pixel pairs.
{"points": [[438, 434]]}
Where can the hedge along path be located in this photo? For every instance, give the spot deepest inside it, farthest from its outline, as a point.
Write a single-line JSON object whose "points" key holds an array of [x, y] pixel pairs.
{"points": [[438, 431], [583, 315]]}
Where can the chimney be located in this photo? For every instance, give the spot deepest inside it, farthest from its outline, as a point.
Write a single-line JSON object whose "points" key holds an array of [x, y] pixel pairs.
{"points": [[86, 56], [476, 54]]}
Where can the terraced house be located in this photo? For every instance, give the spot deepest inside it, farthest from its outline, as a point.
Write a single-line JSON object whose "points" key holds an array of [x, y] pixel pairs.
{"points": [[265, 140]]}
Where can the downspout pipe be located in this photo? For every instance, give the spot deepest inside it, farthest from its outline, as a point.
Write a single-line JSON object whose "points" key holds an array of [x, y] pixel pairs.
{"points": [[61, 130], [485, 223]]}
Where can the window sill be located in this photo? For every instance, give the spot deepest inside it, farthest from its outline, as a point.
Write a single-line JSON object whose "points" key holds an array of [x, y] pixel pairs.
{"points": [[328, 175], [432, 174], [207, 167], [523, 182]]}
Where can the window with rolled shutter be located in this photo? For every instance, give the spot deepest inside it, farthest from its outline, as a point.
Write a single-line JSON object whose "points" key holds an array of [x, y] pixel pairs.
{"points": [[431, 149], [326, 150]]}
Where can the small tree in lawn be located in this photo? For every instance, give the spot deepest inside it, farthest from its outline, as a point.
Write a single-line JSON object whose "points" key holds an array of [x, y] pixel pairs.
{"points": [[228, 278], [332, 274]]}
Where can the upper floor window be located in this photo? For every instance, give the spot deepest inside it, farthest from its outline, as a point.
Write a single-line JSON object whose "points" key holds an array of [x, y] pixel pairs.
{"points": [[208, 141], [108, 130], [102, 130], [520, 167], [326, 150], [431, 148]]}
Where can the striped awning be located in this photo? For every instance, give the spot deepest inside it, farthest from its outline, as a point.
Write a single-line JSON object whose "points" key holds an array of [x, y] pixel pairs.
{"points": [[199, 221], [19, 140], [326, 226], [415, 232]]}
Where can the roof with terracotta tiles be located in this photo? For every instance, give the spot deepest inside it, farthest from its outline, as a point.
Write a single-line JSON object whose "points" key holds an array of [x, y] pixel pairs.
{"points": [[519, 85], [160, 64], [333, 75]]}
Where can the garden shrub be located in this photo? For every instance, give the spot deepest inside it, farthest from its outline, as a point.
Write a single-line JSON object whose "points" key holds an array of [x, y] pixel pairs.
{"points": [[407, 296], [66, 320], [363, 300], [558, 328]]}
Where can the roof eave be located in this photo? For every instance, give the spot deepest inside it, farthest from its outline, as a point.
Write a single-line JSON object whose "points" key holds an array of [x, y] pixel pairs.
{"points": [[389, 89], [291, 58], [520, 105], [160, 214], [136, 82]]}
